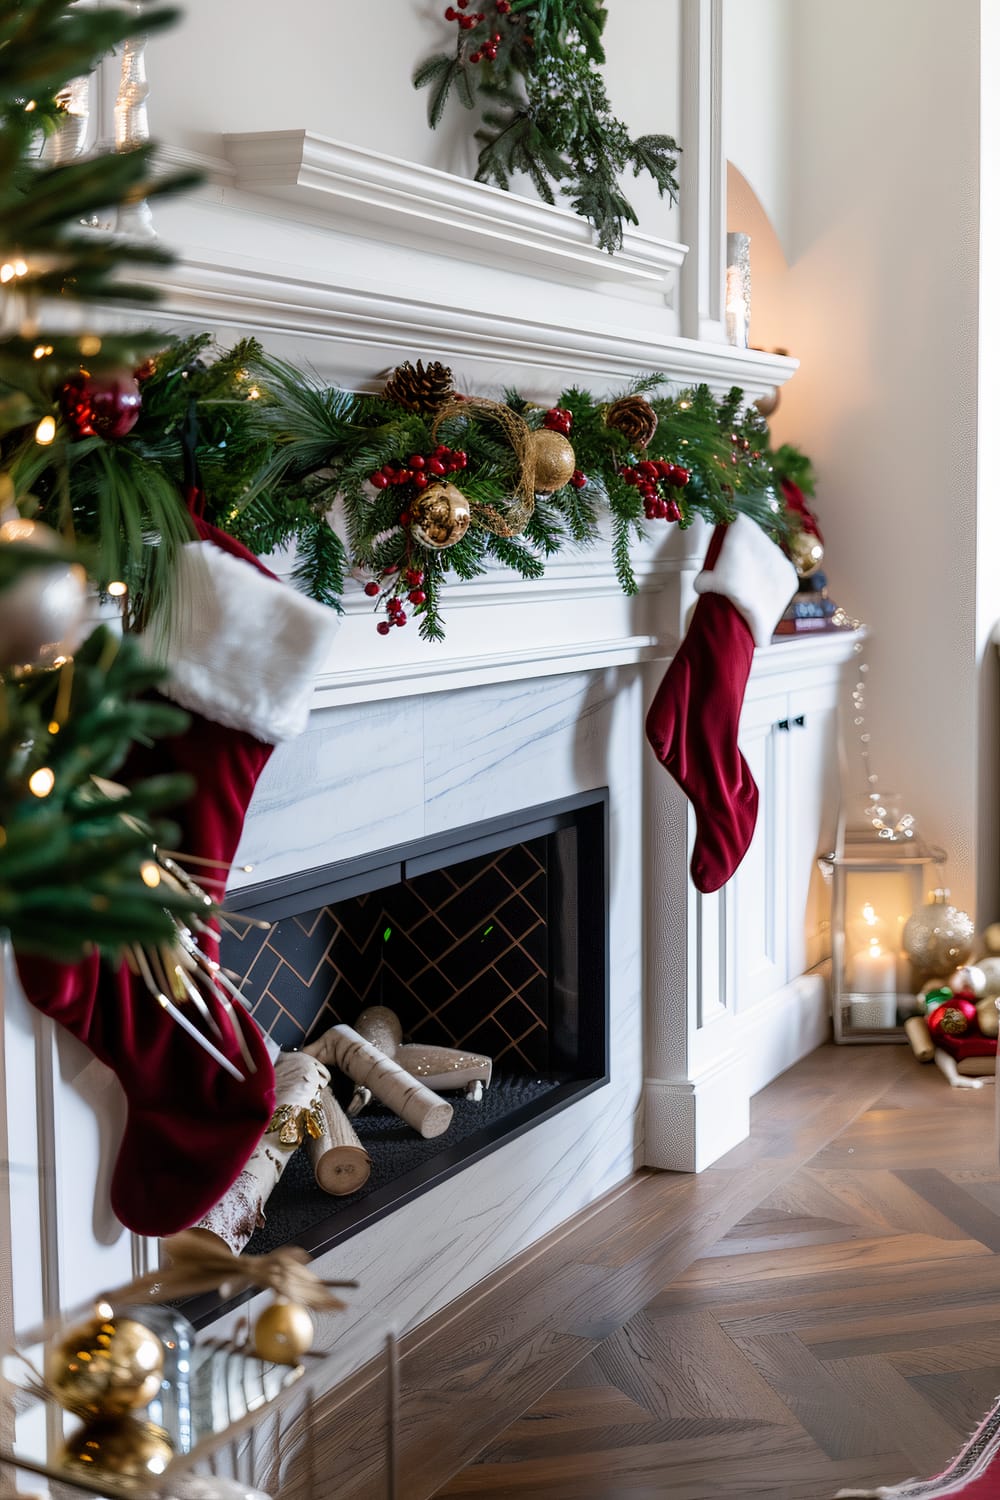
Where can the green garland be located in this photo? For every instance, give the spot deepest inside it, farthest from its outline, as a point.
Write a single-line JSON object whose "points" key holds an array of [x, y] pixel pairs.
{"points": [[530, 67], [277, 452]]}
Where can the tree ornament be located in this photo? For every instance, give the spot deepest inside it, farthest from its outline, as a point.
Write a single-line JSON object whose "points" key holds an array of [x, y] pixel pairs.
{"points": [[806, 551], [991, 938], [105, 406], [283, 1333], [970, 979], [42, 611], [957, 1017], [938, 937], [439, 516], [134, 1451], [553, 459], [634, 418], [419, 387], [989, 967], [105, 1367]]}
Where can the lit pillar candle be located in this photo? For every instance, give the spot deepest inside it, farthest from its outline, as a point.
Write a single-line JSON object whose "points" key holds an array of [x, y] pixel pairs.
{"points": [[874, 970]]}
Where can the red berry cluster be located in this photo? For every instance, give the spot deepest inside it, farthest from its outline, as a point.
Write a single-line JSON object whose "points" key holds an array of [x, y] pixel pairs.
{"points": [[465, 22], [420, 469], [488, 49], [652, 476], [741, 445], [578, 479], [557, 419], [393, 603]]}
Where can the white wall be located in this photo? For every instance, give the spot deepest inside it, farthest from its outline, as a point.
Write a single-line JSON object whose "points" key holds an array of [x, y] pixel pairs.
{"points": [[881, 305], [758, 121]]}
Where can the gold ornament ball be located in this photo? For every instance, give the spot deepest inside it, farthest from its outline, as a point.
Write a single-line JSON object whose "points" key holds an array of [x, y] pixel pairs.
{"points": [[42, 611], [806, 552], [990, 969], [283, 1333], [968, 980], [126, 1447], [938, 938], [105, 1367], [991, 937], [439, 516], [554, 460], [989, 1017]]}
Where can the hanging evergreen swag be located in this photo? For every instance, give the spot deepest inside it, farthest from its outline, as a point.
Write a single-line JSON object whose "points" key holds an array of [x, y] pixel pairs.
{"points": [[530, 68], [408, 487]]}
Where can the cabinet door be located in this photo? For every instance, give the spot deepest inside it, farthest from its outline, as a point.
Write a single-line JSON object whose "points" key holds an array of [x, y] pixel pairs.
{"points": [[760, 939], [811, 798]]}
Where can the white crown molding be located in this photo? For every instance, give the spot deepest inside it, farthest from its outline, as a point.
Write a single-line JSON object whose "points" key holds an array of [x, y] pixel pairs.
{"points": [[367, 332], [357, 188]]}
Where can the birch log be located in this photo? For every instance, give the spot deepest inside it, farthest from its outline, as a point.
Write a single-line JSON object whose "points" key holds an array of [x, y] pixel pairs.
{"points": [[298, 1081], [341, 1047], [340, 1162]]}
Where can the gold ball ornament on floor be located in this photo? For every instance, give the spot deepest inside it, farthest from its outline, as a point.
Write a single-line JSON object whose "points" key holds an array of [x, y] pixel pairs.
{"points": [[938, 938], [105, 1367], [283, 1333], [552, 458], [133, 1451], [991, 937], [989, 967], [42, 611], [806, 551], [439, 516]]}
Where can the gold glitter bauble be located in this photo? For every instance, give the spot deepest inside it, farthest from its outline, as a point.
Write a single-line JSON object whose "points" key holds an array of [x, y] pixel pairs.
{"points": [[439, 516], [991, 937], [938, 937], [105, 1367], [806, 553], [554, 460], [132, 1450], [989, 967], [989, 1017], [283, 1333]]}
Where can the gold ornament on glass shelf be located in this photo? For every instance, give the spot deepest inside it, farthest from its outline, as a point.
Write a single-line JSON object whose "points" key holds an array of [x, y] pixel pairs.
{"points": [[105, 1367], [439, 516], [938, 937], [127, 1449]]}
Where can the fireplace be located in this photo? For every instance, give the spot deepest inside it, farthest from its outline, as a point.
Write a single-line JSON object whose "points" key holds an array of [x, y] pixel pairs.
{"points": [[491, 938]]}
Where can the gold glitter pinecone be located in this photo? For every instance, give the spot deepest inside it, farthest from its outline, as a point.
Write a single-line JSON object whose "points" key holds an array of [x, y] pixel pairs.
{"points": [[420, 388], [634, 418]]}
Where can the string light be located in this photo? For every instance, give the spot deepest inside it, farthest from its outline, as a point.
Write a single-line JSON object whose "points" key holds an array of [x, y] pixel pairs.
{"points": [[150, 873], [117, 589], [42, 351], [45, 431], [41, 782], [90, 344]]}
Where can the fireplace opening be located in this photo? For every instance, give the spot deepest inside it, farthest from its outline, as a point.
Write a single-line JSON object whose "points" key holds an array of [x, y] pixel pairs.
{"points": [[491, 939]]}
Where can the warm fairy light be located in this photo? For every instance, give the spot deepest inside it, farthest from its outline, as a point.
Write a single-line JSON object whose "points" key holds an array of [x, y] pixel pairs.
{"points": [[117, 589], [253, 394], [42, 351], [90, 344], [104, 1310], [868, 913], [45, 431], [31, 105], [150, 873], [60, 661], [20, 268], [42, 781], [6, 272], [54, 726], [684, 405]]}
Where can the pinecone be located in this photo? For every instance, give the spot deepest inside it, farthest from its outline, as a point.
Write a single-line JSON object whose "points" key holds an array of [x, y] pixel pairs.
{"points": [[634, 417], [419, 389]]}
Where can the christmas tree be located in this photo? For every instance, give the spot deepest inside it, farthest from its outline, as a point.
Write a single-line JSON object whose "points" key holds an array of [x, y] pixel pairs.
{"points": [[76, 850]]}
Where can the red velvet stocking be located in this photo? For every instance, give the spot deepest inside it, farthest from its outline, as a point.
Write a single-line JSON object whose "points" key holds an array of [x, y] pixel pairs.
{"points": [[693, 721], [192, 1125]]}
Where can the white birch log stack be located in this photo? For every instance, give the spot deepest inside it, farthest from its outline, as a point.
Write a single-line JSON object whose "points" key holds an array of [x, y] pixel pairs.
{"points": [[340, 1162], [343, 1048], [298, 1082], [382, 1027]]}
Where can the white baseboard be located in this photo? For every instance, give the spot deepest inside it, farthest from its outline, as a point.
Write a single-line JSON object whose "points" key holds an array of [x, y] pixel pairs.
{"points": [[784, 1028]]}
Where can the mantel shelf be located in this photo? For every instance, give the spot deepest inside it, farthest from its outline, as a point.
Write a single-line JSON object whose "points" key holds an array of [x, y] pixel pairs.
{"points": [[447, 214]]}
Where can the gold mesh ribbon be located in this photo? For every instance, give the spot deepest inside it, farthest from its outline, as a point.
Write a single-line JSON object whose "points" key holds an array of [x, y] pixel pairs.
{"points": [[518, 434], [198, 1263]]}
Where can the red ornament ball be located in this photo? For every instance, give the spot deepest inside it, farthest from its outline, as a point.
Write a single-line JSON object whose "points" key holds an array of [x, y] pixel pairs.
{"points": [[105, 406]]}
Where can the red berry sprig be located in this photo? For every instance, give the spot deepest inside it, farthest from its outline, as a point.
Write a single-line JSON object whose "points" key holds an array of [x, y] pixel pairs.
{"points": [[557, 419], [420, 469], [388, 593], [655, 478]]}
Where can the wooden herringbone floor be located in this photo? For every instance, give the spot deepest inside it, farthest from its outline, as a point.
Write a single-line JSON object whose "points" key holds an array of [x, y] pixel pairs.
{"points": [[819, 1309]]}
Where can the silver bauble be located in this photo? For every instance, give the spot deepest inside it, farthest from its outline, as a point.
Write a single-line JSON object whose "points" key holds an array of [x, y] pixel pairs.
{"points": [[990, 969], [42, 611]]}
